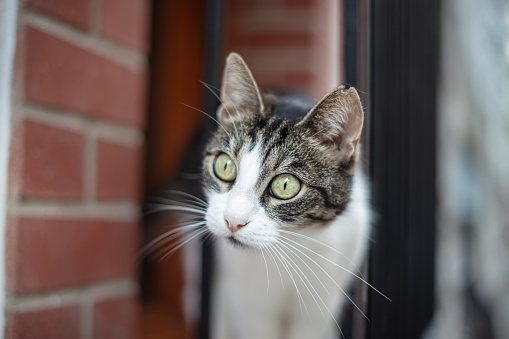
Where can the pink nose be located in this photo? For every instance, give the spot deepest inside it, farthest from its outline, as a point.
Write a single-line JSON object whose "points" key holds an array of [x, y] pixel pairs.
{"points": [[234, 224]]}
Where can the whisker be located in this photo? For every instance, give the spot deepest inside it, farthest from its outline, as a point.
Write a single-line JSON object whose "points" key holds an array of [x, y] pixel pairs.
{"points": [[210, 87], [148, 248], [295, 266], [197, 234], [317, 294], [299, 295], [199, 110], [187, 195], [169, 202], [173, 208], [267, 270], [300, 275], [343, 268], [277, 266], [209, 235], [194, 203], [186, 218], [323, 244], [288, 247], [162, 247], [225, 107], [343, 291], [189, 202]]}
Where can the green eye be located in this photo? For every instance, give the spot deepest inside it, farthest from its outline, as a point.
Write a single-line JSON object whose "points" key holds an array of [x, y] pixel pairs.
{"points": [[285, 186], [224, 167]]}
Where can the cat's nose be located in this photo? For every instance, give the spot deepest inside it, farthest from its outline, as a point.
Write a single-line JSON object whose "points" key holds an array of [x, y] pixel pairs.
{"points": [[234, 224]]}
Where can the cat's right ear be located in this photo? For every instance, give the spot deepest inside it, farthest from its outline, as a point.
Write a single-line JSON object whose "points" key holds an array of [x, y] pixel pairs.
{"points": [[336, 121], [240, 94]]}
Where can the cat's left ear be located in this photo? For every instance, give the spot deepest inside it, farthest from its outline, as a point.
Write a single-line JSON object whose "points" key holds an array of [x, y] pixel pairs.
{"points": [[240, 94], [336, 121]]}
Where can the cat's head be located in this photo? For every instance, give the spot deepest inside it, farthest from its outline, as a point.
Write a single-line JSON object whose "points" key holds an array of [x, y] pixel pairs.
{"points": [[264, 172]]}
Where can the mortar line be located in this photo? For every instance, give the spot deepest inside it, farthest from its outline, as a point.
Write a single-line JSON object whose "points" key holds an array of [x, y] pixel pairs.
{"points": [[96, 291], [90, 170], [116, 211], [95, 17], [86, 318], [94, 43], [109, 130]]}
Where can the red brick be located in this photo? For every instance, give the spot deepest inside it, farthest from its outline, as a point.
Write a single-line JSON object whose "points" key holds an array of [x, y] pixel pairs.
{"points": [[61, 75], [300, 78], [57, 322], [256, 4], [11, 236], [116, 318], [278, 40], [55, 253], [301, 3], [118, 172], [16, 156], [300, 81], [127, 22], [53, 162], [75, 12]]}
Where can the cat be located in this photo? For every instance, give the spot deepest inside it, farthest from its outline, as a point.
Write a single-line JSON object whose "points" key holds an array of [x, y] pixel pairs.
{"points": [[287, 204]]}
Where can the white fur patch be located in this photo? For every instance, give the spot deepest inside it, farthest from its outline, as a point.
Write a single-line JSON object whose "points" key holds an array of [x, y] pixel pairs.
{"points": [[256, 287], [242, 203]]}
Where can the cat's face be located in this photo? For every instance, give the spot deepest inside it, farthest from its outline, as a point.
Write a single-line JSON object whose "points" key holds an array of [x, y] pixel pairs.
{"points": [[263, 173]]}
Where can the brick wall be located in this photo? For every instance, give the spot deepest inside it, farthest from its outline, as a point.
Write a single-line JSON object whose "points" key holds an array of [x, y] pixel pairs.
{"points": [[290, 44], [78, 115]]}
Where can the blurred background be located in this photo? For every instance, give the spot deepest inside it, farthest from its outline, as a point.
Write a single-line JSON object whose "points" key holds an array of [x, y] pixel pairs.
{"points": [[94, 122]]}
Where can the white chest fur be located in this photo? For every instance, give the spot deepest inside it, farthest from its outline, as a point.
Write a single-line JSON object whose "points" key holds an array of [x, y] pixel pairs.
{"points": [[295, 287]]}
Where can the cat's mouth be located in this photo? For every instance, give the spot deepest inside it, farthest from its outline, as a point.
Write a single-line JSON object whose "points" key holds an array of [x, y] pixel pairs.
{"points": [[236, 243]]}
